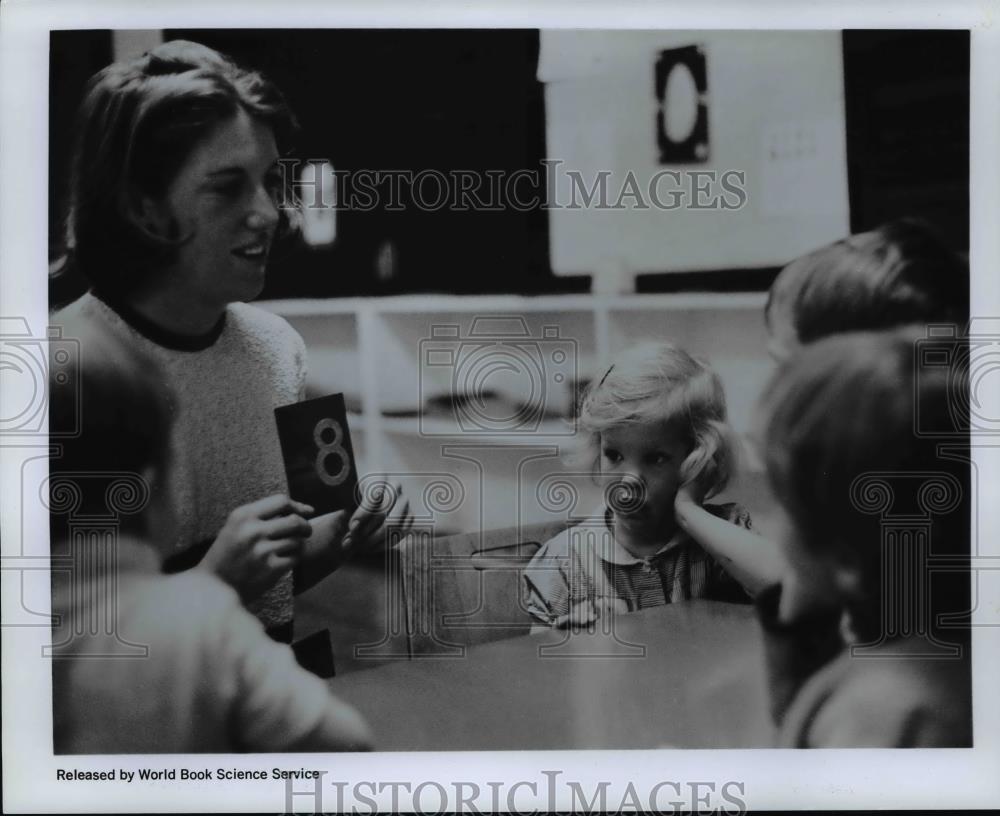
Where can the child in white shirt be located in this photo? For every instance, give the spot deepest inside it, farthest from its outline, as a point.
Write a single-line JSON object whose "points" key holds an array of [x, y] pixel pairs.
{"points": [[176, 664]]}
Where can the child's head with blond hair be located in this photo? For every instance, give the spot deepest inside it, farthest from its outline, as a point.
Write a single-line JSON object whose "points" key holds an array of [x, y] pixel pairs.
{"points": [[657, 414], [900, 273]]}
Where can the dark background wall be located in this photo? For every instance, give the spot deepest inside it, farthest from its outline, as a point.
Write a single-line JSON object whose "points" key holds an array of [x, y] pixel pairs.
{"points": [[411, 100], [907, 106]]}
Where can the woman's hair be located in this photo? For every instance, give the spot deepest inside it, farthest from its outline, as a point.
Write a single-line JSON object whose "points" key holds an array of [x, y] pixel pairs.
{"points": [[138, 123], [848, 407], [659, 381], [898, 274]]}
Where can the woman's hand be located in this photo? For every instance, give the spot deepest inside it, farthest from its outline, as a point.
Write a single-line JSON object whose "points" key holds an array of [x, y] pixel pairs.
{"points": [[372, 520], [336, 537], [259, 543]]}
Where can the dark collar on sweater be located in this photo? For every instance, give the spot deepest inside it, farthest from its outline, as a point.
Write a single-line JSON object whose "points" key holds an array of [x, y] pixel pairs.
{"points": [[159, 335]]}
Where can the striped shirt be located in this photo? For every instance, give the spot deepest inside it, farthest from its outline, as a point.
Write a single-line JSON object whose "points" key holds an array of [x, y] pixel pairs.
{"points": [[586, 563]]}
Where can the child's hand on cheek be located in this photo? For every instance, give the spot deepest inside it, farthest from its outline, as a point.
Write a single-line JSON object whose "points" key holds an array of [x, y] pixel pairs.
{"points": [[690, 493]]}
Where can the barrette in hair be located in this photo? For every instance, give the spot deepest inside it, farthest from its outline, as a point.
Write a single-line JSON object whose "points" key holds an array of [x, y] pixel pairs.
{"points": [[605, 375]]}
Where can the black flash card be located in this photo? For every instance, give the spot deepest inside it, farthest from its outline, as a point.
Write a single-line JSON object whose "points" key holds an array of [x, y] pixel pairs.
{"points": [[319, 459]]}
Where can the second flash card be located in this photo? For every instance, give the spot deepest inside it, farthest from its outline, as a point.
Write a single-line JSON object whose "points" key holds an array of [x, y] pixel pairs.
{"points": [[319, 459]]}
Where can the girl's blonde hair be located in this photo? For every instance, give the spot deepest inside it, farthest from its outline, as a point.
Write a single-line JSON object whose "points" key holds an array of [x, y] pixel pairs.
{"points": [[659, 381]]}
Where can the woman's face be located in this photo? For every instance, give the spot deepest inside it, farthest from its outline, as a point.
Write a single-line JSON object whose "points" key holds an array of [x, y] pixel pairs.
{"points": [[222, 202]]}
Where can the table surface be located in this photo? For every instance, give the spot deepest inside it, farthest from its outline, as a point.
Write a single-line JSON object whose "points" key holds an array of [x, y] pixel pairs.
{"points": [[686, 675]]}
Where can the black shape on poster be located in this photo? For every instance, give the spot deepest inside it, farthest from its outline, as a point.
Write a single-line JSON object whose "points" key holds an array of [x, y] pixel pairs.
{"points": [[694, 146]]}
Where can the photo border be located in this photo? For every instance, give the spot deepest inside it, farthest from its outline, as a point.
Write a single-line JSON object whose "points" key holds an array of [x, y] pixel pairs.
{"points": [[940, 778]]}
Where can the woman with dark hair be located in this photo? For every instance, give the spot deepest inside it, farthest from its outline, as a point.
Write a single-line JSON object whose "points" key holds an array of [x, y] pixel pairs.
{"points": [[176, 202]]}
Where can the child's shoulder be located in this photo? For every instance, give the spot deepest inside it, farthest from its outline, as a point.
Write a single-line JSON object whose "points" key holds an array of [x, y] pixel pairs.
{"points": [[895, 701], [733, 512], [576, 550], [562, 572], [581, 535], [195, 594], [563, 544]]}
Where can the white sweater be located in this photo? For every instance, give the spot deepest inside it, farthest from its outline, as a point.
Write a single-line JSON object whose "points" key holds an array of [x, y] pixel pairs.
{"points": [[225, 443]]}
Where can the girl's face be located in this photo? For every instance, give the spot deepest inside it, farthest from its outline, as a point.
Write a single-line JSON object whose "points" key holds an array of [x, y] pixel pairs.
{"points": [[222, 202], [650, 453]]}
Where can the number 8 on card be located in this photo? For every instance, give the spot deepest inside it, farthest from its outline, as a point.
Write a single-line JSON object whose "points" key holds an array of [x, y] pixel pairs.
{"points": [[316, 447]]}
